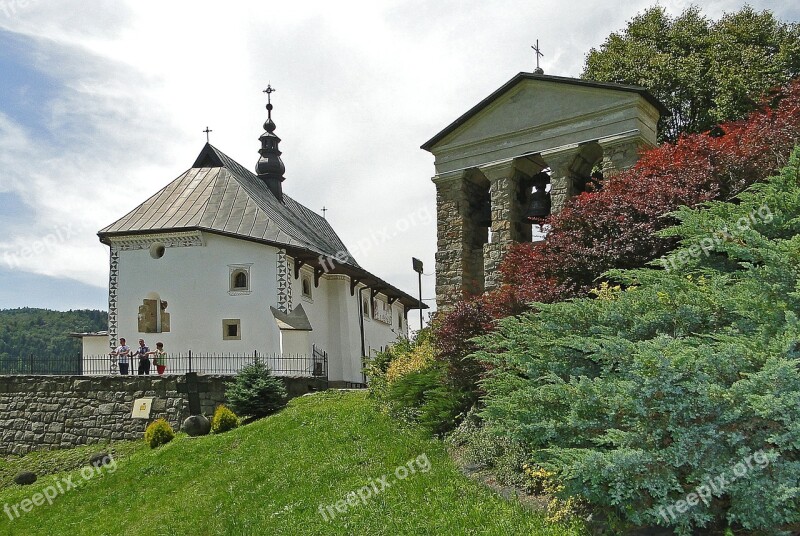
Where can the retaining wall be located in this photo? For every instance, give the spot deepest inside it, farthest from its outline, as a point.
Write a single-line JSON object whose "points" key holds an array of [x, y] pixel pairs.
{"points": [[51, 412]]}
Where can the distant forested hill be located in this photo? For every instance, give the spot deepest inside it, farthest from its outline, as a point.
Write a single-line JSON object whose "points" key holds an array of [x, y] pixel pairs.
{"points": [[44, 333]]}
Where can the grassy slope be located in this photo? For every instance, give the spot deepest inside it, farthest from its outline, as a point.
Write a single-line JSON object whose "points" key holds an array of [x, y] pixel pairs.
{"points": [[270, 478]]}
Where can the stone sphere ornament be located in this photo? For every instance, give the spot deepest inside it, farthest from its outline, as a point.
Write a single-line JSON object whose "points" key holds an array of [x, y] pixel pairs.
{"points": [[196, 425]]}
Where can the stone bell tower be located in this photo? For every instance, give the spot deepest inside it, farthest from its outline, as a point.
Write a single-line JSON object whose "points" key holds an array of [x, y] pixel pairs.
{"points": [[517, 156]]}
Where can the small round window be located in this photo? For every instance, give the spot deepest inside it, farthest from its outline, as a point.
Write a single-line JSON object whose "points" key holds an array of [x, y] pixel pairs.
{"points": [[157, 250]]}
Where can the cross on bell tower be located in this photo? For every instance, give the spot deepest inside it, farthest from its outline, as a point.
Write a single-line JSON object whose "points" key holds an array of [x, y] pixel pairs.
{"points": [[539, 54]]}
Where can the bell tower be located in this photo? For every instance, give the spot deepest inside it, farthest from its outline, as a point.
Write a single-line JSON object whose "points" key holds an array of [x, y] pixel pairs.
{"points": [[516, 158]]}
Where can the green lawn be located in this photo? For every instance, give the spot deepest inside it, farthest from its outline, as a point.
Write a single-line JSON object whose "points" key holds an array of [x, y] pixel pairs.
{"points": [[271, 477]]}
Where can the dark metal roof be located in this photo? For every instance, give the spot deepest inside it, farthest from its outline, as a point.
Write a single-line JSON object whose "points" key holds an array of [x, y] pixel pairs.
{"points": [[428, 145], [219, 195]]}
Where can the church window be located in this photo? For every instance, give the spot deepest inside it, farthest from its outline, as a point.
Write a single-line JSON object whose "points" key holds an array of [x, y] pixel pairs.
{"points": [[306, 287], [238, 279], [153, 316], [231, 329], [365, 308], [400, 320]]}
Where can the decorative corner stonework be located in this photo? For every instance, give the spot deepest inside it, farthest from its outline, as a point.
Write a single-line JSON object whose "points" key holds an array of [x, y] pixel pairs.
{"points": [[284, 283], [113, 287]]}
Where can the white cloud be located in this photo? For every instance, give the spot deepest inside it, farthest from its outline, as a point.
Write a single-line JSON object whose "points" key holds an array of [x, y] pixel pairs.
{"points": [[360, 86]]}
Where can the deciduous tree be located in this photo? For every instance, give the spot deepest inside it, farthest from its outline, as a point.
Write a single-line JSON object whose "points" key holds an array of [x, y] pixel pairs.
{"points": [[704, 71]]}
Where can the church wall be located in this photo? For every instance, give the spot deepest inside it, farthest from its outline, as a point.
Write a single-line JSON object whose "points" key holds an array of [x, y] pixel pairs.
{"points": [[335, 317], [195, 283], [377, 334]]}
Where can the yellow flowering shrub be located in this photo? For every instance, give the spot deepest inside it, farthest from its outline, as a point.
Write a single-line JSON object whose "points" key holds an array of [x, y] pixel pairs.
{"points": [[420, 357], [544, 482]]}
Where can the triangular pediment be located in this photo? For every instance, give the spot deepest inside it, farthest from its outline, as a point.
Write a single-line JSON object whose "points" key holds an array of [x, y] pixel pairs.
{"points": [[535, 113], [538, 105]]}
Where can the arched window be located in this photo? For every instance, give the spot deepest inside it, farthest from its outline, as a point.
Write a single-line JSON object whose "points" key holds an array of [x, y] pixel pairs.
{"points": [[240, 280], [365, 308], [306, 287]]}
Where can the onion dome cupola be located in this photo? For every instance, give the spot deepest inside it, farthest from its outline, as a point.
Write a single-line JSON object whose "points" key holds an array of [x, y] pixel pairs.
{"points": [[270, 167]]}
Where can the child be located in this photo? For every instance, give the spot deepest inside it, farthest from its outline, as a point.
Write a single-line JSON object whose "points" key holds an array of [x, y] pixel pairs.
{"points": [[160, 359]]}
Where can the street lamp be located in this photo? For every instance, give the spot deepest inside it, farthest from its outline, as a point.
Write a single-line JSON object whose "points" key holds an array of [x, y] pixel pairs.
{"points": [[417, 265]]}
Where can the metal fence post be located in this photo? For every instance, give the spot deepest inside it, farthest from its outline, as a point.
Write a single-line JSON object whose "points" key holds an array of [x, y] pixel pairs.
{"points": [[190, 361]]}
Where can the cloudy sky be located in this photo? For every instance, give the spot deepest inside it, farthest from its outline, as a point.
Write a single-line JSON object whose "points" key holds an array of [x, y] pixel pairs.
{"points": [[103, 103]]}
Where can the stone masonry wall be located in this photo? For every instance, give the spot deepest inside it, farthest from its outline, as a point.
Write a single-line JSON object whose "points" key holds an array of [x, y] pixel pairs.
{"points": [[51, 412]]}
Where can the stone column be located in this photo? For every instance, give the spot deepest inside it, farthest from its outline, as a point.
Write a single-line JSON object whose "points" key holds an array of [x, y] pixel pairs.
{"points": [[505, 218], [561, 180], [451, 209]]}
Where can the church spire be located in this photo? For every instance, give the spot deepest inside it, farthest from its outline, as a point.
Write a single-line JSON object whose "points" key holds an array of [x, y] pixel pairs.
{"points": [[270, 168]]}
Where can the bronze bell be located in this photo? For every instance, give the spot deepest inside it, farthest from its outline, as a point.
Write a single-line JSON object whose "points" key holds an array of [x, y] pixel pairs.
{"points": [[539, 203]]}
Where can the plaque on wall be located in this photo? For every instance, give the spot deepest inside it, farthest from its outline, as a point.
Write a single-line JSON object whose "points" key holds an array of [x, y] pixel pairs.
{"points": [[141, 408]]}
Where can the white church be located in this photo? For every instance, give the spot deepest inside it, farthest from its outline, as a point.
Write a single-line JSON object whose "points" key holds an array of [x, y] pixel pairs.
{"points": [[221, 261]]}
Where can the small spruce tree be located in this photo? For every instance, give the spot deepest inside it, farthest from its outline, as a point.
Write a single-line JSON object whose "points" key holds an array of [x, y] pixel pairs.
{"points": [[256, 392]]}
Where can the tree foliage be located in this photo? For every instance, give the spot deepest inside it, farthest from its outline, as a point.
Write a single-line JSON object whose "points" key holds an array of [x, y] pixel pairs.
{"points": [[44, 333], [636, 398], [704, 71]]}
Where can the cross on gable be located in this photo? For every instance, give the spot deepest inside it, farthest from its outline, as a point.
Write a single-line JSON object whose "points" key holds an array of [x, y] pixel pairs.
{"points": [[538, 55]]}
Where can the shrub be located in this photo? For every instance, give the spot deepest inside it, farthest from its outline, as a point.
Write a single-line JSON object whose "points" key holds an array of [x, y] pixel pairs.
{"points": [[419, 357], [158, 432], [399, 358], [256, 392], [424, 397], [223, 420], [376, 369], [638, 399], [411, 385]]}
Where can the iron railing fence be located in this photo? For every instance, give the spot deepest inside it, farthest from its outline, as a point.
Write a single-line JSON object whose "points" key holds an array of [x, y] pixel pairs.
{"points": [[314, 365]]}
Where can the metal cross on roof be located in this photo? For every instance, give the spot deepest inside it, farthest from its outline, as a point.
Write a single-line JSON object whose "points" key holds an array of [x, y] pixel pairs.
{"points": [[269, 91], [324, 210], [538, 54], [207, 131]]}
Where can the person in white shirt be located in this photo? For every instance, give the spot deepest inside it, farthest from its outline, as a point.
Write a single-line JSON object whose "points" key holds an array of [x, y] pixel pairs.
{"points": [[122, 353]]}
